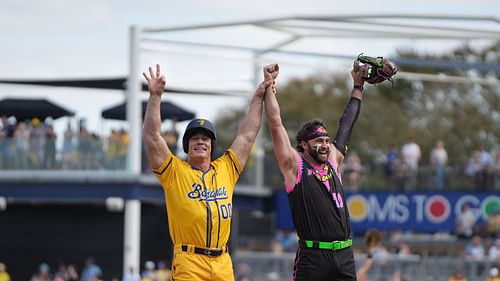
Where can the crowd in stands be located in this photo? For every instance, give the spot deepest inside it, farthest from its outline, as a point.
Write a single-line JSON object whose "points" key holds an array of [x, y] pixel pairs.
{"points": [[33, 144], [91, 271], [404, 171], [474, 247]]}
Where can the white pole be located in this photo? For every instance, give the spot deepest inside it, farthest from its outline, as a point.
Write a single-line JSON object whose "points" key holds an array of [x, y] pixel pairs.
{"points": [[132, 236], [132, 217], [134, 106]]}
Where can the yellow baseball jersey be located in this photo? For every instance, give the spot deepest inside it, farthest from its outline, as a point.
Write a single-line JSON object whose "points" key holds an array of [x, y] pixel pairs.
{"points": [[199, 203]]}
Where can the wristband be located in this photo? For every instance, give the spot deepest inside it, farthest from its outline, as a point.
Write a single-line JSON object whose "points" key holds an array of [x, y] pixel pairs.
{"points": [[359, 87]]}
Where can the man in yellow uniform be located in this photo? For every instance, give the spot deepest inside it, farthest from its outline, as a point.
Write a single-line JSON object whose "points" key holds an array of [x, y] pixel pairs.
{"points": [[199, 191]]}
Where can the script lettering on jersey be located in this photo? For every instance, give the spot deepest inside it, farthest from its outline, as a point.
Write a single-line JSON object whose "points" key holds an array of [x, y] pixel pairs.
{"points": [[207, 195], [324, 177]]}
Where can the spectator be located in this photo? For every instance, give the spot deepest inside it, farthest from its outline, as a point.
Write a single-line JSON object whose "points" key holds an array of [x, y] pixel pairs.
{"points": [[67, 148], [149, 273], [465, 222], [473, 169], [362, 272], [373, 240], [494, 274], [123, 148], [475, 249], [403, 249], [380, 253], [403, 254], [494, 251], [96, 152], [84, 147], [49, 160], [113, 149], [36, 143], [285, 241], [4, 275], [496, 171], [72, 273], [493, 224], [243, 272], [132, 275], [486, 162], [391, 164], [163, 272], [22, 146], [410, 154], [43, 273], [273, 276], [458, 275], [352, 170], [8, 151], [474, 254], [61, 270], [59, 277], [171, 137], [439, 160], [90, 270], [244, 278]]}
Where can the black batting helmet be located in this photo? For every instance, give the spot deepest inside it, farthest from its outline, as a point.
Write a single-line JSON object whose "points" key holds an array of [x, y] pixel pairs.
{"points": [[194, 125]]}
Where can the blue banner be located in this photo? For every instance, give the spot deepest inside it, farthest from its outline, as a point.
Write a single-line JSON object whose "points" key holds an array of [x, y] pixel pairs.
{"points": [[428, 212], [422, 212]]}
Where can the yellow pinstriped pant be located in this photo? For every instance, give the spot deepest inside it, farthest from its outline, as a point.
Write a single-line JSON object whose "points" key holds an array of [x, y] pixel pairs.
{"points": [[190, 266]]}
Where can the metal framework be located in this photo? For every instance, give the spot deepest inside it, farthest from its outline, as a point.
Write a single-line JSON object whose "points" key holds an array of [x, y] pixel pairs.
{"points": [[285, 38]]}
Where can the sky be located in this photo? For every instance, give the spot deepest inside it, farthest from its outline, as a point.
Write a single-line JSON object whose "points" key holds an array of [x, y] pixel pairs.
{"points": [[60, 39]]}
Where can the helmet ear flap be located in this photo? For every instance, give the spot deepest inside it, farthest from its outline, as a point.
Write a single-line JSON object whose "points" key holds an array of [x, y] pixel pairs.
{"points": [[185, 141]]}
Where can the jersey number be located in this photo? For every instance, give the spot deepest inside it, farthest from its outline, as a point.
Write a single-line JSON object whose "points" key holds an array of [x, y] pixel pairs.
{"points": [[226, 210]]}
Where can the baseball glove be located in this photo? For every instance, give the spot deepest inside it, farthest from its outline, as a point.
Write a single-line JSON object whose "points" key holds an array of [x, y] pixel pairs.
{"points": [[375, 70]]}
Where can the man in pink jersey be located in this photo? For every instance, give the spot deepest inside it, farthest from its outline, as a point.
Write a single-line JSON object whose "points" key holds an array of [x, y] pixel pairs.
{"points": [[315, 193]]}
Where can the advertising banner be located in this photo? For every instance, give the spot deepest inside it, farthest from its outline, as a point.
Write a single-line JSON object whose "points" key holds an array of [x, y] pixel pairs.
{"points": [[427, 212], [422, 212]]}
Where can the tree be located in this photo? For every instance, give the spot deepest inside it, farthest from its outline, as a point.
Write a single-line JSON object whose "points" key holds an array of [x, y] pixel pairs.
{"points": [[465, 116]]}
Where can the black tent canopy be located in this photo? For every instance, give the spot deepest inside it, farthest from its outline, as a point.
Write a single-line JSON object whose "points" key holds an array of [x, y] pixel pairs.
{"points": [[168, 111], [24, 109]]}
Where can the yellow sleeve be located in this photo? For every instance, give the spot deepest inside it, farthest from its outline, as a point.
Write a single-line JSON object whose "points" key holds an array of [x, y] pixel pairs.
{"points": [[229, 162], [167, 170]]}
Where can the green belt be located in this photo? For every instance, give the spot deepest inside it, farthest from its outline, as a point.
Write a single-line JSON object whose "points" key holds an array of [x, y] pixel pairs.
{"points": [[335, 245]]}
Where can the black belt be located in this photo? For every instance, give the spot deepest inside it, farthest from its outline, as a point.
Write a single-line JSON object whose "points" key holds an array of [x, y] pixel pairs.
{"points": [[205, 251]]}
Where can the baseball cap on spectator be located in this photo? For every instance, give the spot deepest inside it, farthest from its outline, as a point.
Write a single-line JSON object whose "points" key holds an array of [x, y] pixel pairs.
{"points": [[149, 265], [44, 267], [493, 272]]}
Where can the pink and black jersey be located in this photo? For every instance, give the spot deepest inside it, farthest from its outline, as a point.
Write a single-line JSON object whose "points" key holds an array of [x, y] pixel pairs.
{"points": [[317, 203]]}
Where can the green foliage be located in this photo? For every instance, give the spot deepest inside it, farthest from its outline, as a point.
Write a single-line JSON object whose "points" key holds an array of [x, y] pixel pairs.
{"points": [[465, 116]]}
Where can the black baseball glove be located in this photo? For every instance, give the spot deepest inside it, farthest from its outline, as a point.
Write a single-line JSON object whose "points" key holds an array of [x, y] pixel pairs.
{"points": [[375, 70]]}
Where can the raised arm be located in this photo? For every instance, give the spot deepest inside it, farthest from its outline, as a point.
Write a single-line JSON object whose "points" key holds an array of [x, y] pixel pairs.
{"points": [[347, 120], [156, 147], [251, 123], [285, 154]]}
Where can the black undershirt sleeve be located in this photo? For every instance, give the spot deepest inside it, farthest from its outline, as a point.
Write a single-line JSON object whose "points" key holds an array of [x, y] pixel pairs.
{"points": [[346, 124]]}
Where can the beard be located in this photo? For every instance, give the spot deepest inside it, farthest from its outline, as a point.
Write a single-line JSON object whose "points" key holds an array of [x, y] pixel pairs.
{"points": [[314, 152]]}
